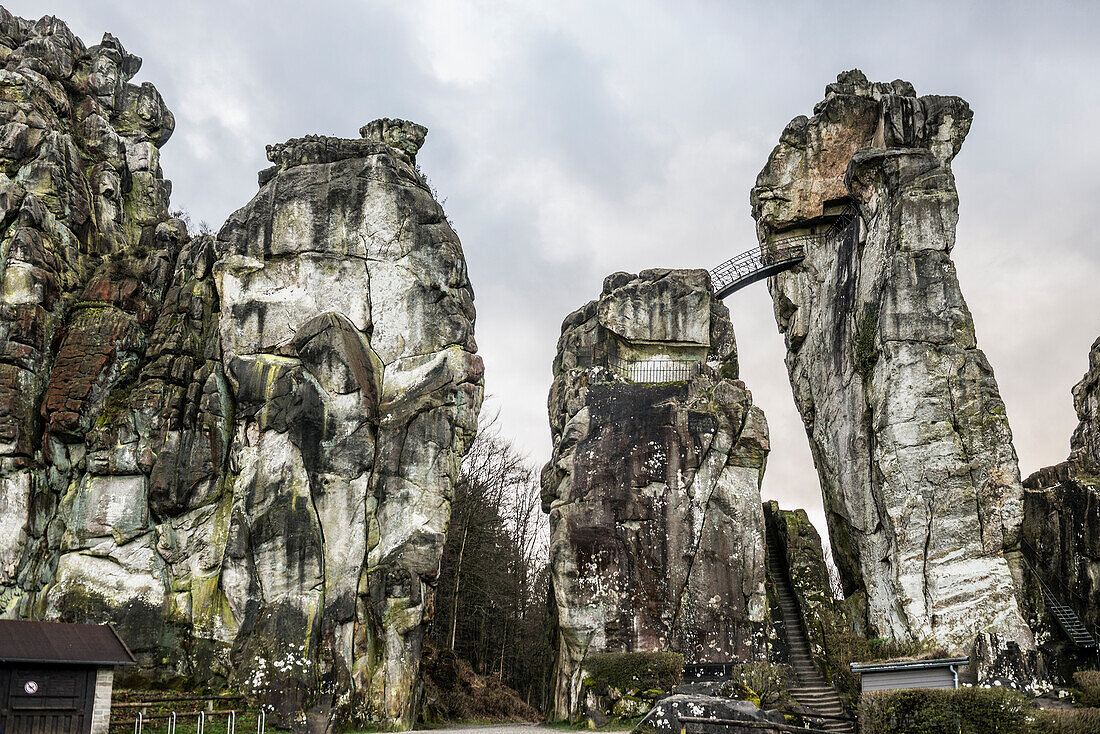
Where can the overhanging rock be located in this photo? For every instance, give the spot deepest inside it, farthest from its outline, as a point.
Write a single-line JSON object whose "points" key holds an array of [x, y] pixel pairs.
{"points": [[907, 428]]}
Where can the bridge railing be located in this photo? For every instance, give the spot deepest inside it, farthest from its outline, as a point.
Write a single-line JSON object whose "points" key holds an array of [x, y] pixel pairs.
{"points": [[776, 256]]}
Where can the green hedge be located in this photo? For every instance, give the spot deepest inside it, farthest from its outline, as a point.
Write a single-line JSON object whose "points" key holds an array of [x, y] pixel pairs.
{"points": [[1081, 721], [635, 670], [945, 711], [1088, 682]]}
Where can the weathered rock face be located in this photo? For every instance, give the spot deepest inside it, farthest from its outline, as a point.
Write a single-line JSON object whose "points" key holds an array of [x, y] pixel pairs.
{"points": [[665, 716], [241, 449], [653, 489], [87, 254], [802, 553], [906, 425], [1061, 530]]}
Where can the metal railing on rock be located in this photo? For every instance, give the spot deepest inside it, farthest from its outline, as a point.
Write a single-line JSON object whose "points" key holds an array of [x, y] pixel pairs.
{"points": [[775, 257], [1076, 630], [654, 370]]}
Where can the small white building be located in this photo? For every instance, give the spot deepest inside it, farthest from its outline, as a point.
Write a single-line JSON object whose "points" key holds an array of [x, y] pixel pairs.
{"points": [[937, 673]]}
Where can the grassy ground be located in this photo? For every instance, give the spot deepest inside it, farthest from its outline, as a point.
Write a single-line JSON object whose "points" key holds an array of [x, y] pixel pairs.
{"points": [[613, 725]]}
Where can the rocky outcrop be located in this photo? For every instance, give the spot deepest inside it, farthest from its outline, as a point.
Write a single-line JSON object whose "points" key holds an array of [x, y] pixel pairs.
{"points": [[666, 717], [653, 487], [87, 249], [1061, 530], [802, 559], [907, 428], [239, 449]]}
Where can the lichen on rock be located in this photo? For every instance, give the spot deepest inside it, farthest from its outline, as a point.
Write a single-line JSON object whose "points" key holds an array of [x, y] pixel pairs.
{"points": [[653, 489], [240, 449], [907, 428]]}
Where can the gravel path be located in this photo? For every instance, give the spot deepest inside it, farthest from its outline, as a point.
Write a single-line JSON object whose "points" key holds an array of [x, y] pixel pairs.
{"points": [[491, 729]]}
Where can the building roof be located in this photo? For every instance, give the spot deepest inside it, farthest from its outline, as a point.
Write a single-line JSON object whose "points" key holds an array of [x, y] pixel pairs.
{"points": [[907, 665], [57, 642]]}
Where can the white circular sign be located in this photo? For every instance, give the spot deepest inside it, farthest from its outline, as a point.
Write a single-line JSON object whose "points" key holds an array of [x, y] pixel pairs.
{"points": [[30, 687]]}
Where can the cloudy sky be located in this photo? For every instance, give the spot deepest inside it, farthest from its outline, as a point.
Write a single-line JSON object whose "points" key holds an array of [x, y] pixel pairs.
{"points": [[570, 139]]}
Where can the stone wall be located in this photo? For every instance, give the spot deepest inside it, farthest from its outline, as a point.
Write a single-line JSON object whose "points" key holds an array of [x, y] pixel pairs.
{"points": [[653, 490], [907, 429], [238, 449], [101, 703]]}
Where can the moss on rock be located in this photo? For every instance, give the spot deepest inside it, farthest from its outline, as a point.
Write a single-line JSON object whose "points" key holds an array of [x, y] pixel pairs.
{"points": [[635, 670]]}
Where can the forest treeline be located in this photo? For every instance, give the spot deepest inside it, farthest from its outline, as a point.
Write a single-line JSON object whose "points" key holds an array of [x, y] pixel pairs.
{"points": [[492, 597]]}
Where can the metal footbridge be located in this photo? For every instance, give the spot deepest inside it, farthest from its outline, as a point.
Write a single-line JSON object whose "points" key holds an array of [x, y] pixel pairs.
{"points": [[775, 257]]}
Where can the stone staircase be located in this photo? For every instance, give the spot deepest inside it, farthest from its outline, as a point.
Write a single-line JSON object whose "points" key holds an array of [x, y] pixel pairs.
{"points": [[812, 690]]}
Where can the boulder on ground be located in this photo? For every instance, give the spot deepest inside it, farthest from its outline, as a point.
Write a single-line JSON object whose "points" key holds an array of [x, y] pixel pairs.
{"points": [[667, 715]]}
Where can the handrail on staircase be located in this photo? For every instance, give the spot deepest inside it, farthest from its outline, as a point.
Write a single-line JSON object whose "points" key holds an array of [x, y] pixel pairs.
{"points": [[1049, 596]]}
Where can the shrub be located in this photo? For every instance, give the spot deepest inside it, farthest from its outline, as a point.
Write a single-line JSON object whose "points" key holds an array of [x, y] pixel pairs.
{"points": [[945, 711], [1082, 721], [635, 670], [1088, 682], [844, 647], [765, 684]]}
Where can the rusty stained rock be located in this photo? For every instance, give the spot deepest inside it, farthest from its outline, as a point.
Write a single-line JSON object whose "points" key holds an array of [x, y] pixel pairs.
{"points": [[238, 449]]}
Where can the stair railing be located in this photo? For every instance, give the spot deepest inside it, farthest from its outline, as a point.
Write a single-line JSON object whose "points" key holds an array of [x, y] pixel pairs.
{"points": [[1049, 597]]}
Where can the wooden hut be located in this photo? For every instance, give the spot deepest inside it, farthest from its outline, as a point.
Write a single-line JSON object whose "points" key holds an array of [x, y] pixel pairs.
{"points": [[56, 678]]}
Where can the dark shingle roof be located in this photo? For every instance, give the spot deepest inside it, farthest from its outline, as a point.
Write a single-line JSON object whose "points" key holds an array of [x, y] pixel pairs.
{"points": [[57, 642], [907, 665]]}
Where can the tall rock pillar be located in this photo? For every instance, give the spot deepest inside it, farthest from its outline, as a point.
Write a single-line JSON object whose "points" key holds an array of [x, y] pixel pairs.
{"points": [[240, 450], [907, 429], [347, 338], [653, 490]]}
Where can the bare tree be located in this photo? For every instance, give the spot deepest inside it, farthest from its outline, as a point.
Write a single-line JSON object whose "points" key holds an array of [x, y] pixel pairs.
{"points": [[491, 593]]}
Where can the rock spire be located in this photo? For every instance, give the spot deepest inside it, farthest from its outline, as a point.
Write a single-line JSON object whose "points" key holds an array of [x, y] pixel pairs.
{"points": [[653, 489], [907, 429]]}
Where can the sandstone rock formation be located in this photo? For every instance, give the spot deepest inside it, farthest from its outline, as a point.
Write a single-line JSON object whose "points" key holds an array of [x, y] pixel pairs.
{"points": [[1061, 530], [241, 449], [907, 428], [802, 554], [653, 487]]}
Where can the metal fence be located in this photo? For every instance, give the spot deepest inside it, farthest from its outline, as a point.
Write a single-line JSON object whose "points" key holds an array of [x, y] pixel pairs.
{"points": [[653, 371]]}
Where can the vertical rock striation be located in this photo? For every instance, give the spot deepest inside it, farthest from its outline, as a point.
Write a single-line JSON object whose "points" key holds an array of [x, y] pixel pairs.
{"points": [[653, 489], [239, 449], [907, 428]]}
